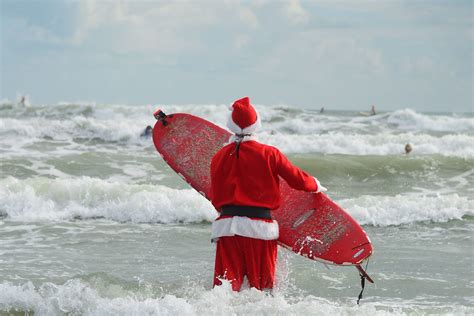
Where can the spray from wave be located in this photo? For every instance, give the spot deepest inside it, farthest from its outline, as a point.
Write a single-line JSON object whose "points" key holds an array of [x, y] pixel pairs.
{"points": [[84, 298], [292, 130], [41, 199]]}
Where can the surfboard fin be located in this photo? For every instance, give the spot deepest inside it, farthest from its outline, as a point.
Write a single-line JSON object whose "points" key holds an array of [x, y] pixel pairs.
{"points": [[363, 276]]}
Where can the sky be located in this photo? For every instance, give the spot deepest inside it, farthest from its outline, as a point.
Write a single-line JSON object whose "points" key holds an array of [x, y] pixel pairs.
{"points": [[345, 55]]}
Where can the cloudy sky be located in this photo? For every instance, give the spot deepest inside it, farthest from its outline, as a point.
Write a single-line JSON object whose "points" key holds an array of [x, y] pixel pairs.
{"points": [[337, 54]]}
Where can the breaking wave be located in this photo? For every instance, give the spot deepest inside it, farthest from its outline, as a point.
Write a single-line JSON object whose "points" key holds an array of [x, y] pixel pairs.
{"points": [[292, 130], [78, 297], [41, 199]]}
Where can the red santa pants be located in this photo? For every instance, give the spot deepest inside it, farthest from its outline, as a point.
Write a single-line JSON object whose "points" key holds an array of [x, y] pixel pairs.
{"points": [[238, 256]]}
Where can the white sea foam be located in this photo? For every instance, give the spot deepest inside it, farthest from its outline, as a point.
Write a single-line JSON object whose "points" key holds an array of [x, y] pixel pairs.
{"points": [[80, 298], [41, 199], [403, 209], [292, 130], [76, 127], [302, 121], [408, 119], [381, 144]]}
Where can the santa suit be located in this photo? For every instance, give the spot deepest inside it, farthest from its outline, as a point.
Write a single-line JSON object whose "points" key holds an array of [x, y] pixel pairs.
{"points": [[245, 178]]}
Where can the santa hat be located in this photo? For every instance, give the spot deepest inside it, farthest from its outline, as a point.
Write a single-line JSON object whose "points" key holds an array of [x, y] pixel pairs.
{"points": [[244, 119]]}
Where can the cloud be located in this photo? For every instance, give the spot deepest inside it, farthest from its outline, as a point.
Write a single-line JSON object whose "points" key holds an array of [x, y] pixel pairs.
{"points": [[158, 28], [319, 53], [24, 31], [295, 12], [375, 43], [248, 17], [241, 41], [424, 66]]}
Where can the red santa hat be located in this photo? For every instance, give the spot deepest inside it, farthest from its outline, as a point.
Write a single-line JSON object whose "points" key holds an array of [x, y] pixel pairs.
{"points": [[244, 119]]}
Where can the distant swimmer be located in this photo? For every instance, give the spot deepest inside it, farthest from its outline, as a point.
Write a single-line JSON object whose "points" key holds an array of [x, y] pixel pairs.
{"points": [[372, 110], [371, 113], [147, 131], [408, 149], [23, 101], [322, 110]]}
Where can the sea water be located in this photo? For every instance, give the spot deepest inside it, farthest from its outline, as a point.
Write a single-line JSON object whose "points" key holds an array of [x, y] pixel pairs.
{"points": [[93, 221]]}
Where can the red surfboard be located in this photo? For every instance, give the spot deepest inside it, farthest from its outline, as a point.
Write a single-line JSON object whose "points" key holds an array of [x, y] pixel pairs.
{"points": [[310, 224]]}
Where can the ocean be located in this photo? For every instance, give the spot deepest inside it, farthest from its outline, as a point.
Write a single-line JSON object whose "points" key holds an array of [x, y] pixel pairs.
{"points": [[93, 221]]}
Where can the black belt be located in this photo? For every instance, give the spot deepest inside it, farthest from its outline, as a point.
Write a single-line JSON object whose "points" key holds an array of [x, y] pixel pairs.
{"points": [[248, 211]]}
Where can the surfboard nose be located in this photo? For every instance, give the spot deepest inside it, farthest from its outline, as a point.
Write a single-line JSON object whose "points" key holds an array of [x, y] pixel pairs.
{"points": [[159, 114]]}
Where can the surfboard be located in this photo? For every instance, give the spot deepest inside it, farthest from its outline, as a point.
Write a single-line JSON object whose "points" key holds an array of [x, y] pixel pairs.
{"points": [[311, 225]]}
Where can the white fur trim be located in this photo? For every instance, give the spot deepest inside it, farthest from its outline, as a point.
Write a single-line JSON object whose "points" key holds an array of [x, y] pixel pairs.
{"points": [[320, 187], [233, 138], [248, 130], [244, 226]]}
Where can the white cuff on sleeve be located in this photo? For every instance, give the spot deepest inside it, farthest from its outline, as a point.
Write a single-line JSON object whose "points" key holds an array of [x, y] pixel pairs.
{"points": [[320, 187]]}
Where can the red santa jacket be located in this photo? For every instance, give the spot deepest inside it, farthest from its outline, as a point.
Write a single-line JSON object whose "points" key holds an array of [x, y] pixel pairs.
{"points": [[252, 179]]}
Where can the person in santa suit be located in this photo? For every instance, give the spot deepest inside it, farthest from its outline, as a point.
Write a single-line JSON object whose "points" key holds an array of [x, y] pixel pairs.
{"points": [[245, 176]]}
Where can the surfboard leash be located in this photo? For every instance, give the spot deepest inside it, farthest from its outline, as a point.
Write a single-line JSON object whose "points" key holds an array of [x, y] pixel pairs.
{"points": [[362, 280]]}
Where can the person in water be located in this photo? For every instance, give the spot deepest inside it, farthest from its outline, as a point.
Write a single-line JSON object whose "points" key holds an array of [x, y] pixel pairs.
{"points": [[23, 101], [372, 110], [147, 131], [244, 190], [408, 148]]}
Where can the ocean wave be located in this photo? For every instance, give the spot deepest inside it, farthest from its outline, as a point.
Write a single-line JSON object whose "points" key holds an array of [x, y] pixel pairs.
{"points": [[110, 130], [292, 130], [408, 119], [407, 209], [380, 144], [40, 199], [78, 297], [128, 133], [277, 118]]}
